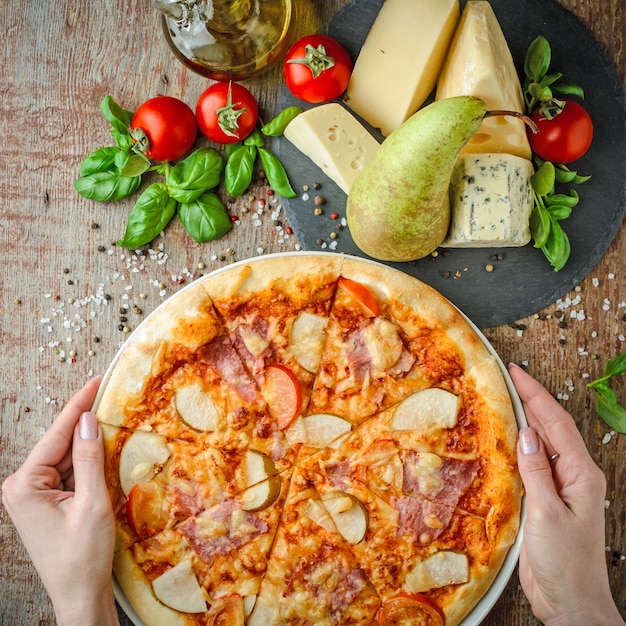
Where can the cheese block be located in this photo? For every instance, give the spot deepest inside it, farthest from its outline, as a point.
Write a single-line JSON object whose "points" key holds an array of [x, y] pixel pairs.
{"points": [[397, 67], [480, 64], [334, 140], [490, 201]]}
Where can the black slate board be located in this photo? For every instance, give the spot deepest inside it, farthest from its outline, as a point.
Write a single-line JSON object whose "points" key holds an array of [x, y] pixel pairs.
{"points": [[522, 282]]}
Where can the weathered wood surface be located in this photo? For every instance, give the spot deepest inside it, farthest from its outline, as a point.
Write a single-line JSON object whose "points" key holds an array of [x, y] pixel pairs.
{"points": [[58, 60]]}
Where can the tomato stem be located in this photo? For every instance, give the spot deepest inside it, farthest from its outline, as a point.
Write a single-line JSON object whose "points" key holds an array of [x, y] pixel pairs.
{"points": [[228, 115], [316, 60]]}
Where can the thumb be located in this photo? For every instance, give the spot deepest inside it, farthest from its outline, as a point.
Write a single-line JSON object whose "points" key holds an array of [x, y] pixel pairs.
{"points": [[534, 468], [88, 460]]}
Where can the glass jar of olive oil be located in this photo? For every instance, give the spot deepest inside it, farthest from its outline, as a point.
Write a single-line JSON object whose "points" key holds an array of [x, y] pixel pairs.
{"points": [[227, 39]]}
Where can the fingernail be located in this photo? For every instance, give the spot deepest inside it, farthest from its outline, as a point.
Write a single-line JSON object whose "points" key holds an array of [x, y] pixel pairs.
{"points": [[88, 426], [528, 440]]}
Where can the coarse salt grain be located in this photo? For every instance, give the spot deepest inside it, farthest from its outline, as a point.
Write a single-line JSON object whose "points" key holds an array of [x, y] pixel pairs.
{"points": [[595, 282], [607, 437]]}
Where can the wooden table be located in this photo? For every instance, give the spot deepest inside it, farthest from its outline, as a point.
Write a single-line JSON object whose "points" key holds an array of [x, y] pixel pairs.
{"points": [[66, 290]]}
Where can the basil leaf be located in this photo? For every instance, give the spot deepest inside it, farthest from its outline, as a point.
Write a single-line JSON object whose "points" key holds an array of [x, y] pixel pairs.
{"points": [[119, 118], [191, 177], [107, 186], [550, 79], [557, 247], [276, 175], [135, 165], [570, 90], [254, 139], [101, 160], [229, 148], [543, 179], [564, 175], [538, 57], [540, 225], [276, 127], [151, 214], [609, 409], [239, 170], [615, 366], [205, 218], [570, 200], [558, 211]]}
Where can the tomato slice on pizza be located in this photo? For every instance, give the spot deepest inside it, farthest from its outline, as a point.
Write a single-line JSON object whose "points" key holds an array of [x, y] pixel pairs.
{"points": [[409, 608]]}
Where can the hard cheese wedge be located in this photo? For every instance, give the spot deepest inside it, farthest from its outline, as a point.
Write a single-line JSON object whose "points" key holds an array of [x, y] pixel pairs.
{"points": [[490, 201], [398, 65], [334, 140], [480, 64]]}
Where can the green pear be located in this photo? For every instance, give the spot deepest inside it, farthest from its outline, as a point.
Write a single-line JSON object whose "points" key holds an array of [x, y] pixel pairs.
{"points": [[398, 207]]}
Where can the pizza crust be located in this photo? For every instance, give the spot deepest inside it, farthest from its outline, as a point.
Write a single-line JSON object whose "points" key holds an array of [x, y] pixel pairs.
{"points": [[138, 590]]}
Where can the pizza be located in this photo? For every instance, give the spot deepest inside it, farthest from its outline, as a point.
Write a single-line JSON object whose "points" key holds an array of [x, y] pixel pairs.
{"points": [[308, 439]]}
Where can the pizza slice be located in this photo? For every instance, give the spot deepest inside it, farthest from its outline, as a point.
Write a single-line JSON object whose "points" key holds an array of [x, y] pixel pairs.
{"points": [[207, 569], [276, 315], [193, 387], [428, 561], [155, 484], [389, 336], [312, 576]]}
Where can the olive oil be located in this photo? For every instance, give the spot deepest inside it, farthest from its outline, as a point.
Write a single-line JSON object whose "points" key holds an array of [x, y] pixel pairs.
{"points": [[227, 39]]}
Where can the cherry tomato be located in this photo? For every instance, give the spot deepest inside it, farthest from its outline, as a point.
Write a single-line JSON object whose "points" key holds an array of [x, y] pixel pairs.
{"points": [[360, 293], [317, 68], [283, 393], [146, 509], [566, 137], [226, 112], [409, 608], [164, 128]]}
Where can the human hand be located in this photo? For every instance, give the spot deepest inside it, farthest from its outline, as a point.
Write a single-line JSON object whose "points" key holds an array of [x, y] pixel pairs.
{"points": [[59, 503], [562, 564]]}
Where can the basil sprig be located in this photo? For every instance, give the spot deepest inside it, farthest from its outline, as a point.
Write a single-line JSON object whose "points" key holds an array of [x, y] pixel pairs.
{"points": [[241, 157], [186, 190], [550, 208], [607, 405], [539, 86]]}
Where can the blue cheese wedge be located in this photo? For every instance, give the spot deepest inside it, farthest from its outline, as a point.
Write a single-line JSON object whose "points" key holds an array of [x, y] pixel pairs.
{"points": [[490, 201]]}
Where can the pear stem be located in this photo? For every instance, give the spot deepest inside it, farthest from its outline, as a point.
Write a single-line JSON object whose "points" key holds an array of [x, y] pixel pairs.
{"points": [[517, 114]]}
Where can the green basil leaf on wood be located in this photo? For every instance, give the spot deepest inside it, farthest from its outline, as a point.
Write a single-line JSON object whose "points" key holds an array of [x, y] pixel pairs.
{"points": [[108, 186], [100, 160], [205, 218], [200, 171], [239, 170], [151, 214]]}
